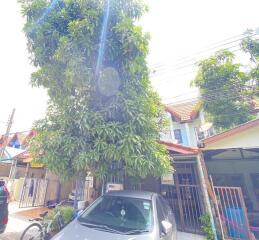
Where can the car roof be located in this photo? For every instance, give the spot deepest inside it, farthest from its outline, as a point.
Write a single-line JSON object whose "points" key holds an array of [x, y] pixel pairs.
{"points": [[132, 194]]}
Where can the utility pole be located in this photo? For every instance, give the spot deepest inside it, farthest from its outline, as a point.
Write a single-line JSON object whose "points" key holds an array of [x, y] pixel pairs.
{"points": [[7, 133]]}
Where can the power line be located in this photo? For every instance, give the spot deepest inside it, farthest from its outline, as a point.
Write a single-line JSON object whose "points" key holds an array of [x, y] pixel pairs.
{"points": [[168, 75], [192, 62], [213, 97], [208, 46], [207, 50], [184, 94], [214, 93]]}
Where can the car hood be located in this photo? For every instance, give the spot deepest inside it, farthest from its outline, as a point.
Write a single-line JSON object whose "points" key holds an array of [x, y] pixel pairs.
{"points": [[76, 231]]}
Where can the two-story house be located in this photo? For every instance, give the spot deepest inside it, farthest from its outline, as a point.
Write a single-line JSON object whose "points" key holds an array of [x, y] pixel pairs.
{"points": [[187, 123]]}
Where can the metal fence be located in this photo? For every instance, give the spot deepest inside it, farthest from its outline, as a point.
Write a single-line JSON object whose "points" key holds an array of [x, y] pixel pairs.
{"points": [[33, 192], [186, 204], [232, 214]]}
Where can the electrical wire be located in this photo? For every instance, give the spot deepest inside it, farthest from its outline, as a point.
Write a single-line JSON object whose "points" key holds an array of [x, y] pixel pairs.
{"points": [[206, 50], [214, 93], [208, 46], [191, 64], [193, 61], [166, 75]]}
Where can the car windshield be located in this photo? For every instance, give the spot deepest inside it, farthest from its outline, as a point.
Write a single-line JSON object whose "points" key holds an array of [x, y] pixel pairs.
{"points": [[126, 215]]}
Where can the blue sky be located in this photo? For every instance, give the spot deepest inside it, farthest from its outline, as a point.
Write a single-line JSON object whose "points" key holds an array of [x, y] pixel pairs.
{"points": [[178, 29]]}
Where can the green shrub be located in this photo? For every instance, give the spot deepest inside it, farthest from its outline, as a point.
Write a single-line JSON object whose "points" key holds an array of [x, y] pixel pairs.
{"points": [[206, 227], [65, 211]]}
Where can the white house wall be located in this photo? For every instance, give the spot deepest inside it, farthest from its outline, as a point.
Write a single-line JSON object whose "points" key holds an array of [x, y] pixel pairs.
{"points": [[187, 131], [176, 125], [193, 136], [246, 139]]}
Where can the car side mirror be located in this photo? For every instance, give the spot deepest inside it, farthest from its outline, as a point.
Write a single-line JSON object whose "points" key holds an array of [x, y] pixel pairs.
{"points": [[166, 227]]}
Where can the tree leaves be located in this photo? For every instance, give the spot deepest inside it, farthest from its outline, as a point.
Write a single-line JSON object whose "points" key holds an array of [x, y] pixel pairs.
{"points": [[85, 129], [251, 46], [224, 91]]}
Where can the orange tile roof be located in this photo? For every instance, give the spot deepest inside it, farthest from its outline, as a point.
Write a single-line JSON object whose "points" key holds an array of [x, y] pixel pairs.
{"points": [[184, 112], [23, 155], [23, 137]]}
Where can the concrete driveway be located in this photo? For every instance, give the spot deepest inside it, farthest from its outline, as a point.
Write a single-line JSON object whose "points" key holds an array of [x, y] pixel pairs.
{"points": [[14, 228], [17, 224], [189, 236]]}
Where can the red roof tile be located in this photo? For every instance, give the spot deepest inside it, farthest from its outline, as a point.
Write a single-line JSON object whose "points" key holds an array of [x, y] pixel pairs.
{"points": [[22, 137], [179, 149], [184, 112]]}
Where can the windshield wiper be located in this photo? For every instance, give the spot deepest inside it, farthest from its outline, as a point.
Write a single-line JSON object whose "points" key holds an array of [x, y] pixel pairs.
{"points": [[136, 231], [102, 227]]}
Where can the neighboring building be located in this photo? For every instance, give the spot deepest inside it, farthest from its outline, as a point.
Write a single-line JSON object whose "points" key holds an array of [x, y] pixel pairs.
{"points": [[29, 183], [188, 124], [11, 164], [19, 140], [232, 159]]}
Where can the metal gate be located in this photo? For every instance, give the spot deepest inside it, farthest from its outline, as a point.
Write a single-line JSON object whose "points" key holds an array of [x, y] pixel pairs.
{"points": [[231, 213], [33, 192], [186, 204], [184, 196]]}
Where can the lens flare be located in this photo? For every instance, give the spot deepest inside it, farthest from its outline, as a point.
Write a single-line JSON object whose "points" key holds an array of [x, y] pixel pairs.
{"points": [[49, 9], [103, 38]]}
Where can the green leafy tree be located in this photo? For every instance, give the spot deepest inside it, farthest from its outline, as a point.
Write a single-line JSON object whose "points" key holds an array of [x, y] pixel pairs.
{"points": [[96, 116], [224, 91], [251, 46]]}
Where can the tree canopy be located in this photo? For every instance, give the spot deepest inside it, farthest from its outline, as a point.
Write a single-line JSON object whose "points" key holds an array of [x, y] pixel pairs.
{"points": [[95, 116], [251, 46], [224, 90]]}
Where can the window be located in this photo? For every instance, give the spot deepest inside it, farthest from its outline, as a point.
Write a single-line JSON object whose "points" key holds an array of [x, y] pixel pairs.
{"points": [[199, 134], [120, 214], [178, 135]]}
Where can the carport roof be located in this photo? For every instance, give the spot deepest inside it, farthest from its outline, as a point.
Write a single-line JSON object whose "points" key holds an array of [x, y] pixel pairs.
{"points": [[232, 154]]}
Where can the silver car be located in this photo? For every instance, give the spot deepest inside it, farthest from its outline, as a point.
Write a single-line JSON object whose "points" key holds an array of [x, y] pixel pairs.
{"points": [[123, 215]]}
